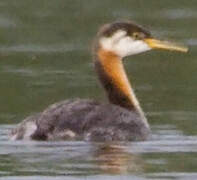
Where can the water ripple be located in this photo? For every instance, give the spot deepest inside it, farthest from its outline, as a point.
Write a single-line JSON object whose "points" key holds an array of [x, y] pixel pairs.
{"points": [[179, 13], [42, 48]]}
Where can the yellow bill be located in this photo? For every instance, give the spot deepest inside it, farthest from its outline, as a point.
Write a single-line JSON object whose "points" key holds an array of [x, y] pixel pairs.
{"points": [[166, 45]]}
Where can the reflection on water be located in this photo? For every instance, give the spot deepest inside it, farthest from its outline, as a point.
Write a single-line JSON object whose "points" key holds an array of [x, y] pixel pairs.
{"points": [[114, 159]]}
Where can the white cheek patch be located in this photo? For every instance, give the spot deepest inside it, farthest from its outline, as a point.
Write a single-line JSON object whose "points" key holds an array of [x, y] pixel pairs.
{"points": [[128, 46], [118, 35], [123, 45], [108, 43]]}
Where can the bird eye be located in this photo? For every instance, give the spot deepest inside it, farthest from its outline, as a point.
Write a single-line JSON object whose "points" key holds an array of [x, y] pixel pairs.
{"points": [[137, 35]]}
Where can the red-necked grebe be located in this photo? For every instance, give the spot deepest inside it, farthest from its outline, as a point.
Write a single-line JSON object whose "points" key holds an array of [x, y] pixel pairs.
{"points": [[122, 119]]}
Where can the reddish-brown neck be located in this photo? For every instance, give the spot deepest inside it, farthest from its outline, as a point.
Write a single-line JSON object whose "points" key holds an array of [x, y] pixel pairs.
{"points": [[113, 77]]}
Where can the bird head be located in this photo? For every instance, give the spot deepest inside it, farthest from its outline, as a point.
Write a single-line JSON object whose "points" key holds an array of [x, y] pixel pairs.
{"points": [[127, 38]]}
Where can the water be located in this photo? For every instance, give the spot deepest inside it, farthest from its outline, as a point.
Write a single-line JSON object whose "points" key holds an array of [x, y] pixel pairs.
{"points": [[168, 155], [45, 57]]}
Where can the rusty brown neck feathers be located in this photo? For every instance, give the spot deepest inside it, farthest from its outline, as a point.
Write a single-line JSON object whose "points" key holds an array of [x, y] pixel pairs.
{"points": [[112, 75]]}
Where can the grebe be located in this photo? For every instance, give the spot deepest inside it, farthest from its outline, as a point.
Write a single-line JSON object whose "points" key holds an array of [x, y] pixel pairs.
{"points": [[122, 119]]}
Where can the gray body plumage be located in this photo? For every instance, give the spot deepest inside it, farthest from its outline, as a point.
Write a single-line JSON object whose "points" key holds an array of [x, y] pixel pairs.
{"points": [[83, 119]]}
